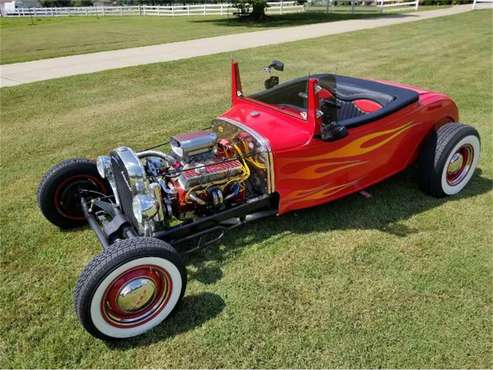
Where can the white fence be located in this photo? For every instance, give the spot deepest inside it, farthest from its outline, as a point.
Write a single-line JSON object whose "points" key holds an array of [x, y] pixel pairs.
{"points": [[396, 4], [355, 6], [282, 7], [477, 2]]}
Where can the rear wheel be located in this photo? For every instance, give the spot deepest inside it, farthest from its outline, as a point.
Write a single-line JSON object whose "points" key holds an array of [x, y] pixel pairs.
{"points": [[448, 159], [130, 288], [60, 189]]}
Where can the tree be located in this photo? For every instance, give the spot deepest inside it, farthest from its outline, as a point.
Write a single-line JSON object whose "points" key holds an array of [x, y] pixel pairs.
{"points": [[252, 9], [55, 3], [82, 3]]}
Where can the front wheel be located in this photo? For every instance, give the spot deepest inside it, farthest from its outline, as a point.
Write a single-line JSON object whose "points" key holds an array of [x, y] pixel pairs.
{"points": [[129, 288], [448, 159], [60, 190]]}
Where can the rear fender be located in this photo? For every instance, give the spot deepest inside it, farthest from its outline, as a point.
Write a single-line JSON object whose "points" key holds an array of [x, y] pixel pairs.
{"points": [[441, 110]]}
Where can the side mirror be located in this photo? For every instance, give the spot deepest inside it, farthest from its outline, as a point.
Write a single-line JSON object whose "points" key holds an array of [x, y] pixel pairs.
{"points": [[333, 132], [277, 65], [271, 82]]}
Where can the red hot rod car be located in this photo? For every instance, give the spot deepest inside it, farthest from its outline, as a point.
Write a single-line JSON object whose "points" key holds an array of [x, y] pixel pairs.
{"points": [[294, 145]]}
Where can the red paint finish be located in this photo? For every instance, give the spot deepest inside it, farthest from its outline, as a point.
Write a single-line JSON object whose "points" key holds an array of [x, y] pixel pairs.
{"points": [[282, 129], [366, 105], [309, 171], [295, 111], [325, 94]]}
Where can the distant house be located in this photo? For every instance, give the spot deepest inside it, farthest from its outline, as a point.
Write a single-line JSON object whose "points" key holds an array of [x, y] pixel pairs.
{"points": [[12, 4], [6, 7], [9, 6]]}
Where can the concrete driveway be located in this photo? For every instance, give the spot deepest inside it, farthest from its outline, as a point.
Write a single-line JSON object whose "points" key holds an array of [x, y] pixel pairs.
{"points": [[45, 69]]}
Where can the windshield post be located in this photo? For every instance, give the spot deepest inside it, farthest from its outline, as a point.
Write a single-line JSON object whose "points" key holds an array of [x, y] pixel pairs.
{"points": [[312, 106], [236, 91]]}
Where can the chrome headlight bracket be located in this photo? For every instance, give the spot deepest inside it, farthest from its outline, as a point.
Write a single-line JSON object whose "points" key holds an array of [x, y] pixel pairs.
{"points": [[147, 201], [103, 164]]}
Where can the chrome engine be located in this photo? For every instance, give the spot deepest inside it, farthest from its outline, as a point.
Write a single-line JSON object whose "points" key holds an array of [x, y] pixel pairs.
{"points": [[193, 144], [209, 173], [205, 171]]}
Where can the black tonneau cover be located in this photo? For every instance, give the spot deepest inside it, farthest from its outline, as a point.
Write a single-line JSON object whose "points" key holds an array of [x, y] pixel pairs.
{"points": [[392, 98]]}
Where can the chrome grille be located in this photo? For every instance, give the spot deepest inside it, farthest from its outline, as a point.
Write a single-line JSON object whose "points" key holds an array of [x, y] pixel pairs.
{"points": [[123, 188]]}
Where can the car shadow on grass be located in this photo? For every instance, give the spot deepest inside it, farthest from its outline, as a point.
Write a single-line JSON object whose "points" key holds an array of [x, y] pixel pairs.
{"points": [[192, 312], [391, 203], [296, 19]]}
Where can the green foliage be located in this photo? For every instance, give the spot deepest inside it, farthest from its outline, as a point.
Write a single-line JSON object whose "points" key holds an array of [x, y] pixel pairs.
{"points": [[55, 3], [82, 3], [65, 3], [254, 9]]}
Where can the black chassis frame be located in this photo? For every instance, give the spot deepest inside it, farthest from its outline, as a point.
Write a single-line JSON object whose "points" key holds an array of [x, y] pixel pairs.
{"points": [[196, 234]]}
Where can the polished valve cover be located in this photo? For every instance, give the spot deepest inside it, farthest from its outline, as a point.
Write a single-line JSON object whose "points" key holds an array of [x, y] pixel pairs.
{"points": [[208, 173]]}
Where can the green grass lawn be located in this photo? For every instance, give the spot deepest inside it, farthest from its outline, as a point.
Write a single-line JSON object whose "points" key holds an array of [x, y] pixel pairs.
{"points": [[397, 280], [22, 39], [373, 9]]}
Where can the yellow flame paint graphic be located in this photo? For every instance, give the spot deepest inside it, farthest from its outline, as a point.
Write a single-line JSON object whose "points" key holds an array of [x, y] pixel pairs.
{"points": [[318, 193], [357, 147], [319, 170]]}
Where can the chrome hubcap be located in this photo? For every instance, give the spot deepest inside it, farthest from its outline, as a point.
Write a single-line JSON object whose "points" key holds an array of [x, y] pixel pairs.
{"points": [[455, 164], [136, 294], [459, 165]]}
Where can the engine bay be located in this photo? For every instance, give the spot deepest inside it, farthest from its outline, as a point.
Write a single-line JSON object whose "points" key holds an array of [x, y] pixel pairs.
{"points": [[204, 172]]}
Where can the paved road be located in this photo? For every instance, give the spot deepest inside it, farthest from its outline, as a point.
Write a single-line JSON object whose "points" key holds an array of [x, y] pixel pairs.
{"points": [[45, 69]]}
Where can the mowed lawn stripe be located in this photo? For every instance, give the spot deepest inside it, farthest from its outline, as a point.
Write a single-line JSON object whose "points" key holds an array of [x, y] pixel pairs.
{"points": [[24, 38], [399, 280]]}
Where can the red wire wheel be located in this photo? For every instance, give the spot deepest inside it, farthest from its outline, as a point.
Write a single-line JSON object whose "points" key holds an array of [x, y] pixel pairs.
{"points": [[136, 296], [67, 194], [61, 187], [460, 164]]}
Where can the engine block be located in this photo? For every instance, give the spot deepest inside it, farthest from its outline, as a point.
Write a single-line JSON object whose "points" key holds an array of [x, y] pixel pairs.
{"points": [[208, 173], [205, 172]]}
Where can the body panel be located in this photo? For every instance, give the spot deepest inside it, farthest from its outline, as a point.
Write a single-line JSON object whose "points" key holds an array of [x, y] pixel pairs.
{"points": [[310, 171], [281, 129]]}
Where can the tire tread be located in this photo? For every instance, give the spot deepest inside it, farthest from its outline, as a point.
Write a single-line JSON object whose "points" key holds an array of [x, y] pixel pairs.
{"points": [[434, 153], [115, 255]]}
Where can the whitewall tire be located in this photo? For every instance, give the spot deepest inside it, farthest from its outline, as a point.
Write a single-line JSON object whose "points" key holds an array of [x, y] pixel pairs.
{"points": [[449, 159], [130, 288], [460, 165]]}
